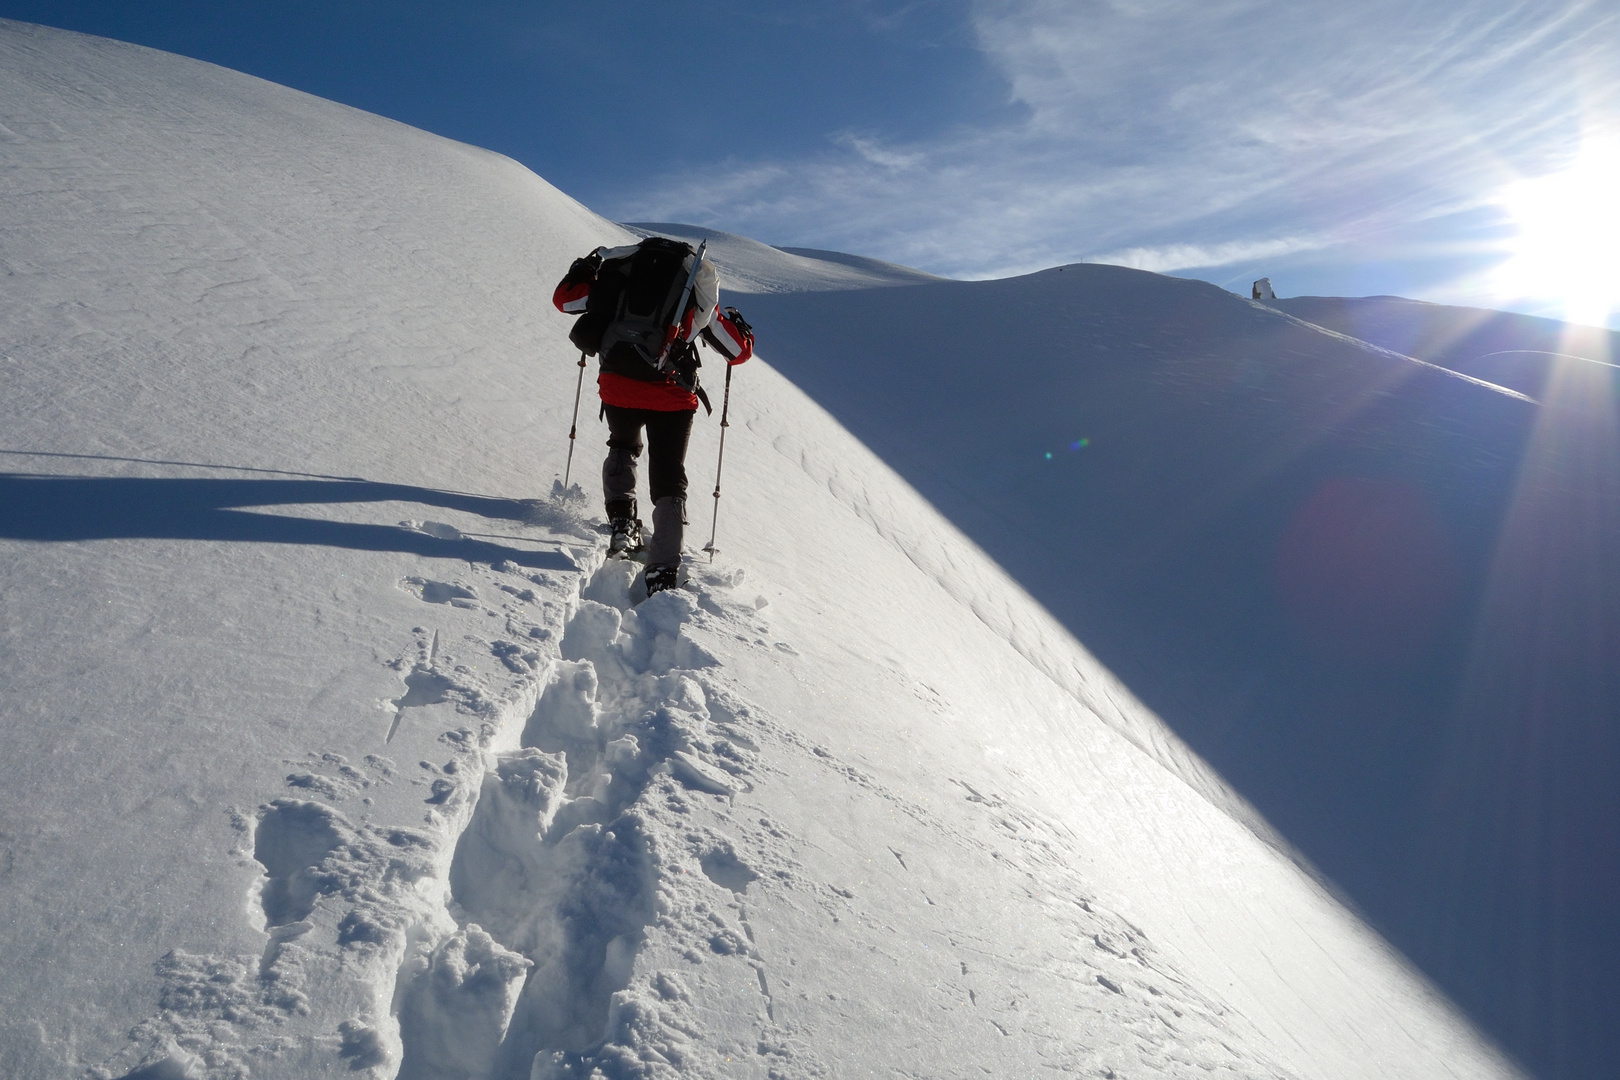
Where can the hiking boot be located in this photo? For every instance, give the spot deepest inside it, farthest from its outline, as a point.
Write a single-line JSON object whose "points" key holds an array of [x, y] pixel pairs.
{"points": [[626, 537], [660, 578]]}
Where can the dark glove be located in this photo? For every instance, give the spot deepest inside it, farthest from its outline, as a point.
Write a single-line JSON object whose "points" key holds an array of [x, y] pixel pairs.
{"points": [[584, 269], [738, 321]]}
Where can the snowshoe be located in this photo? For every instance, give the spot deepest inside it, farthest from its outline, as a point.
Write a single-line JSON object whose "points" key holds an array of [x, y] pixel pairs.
{"points": [[660, 578], [626, 538]]}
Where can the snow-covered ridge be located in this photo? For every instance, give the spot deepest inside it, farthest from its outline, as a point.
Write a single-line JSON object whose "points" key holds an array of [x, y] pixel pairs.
{"points": [[752, 267], [374, 770], [1516, 351]]}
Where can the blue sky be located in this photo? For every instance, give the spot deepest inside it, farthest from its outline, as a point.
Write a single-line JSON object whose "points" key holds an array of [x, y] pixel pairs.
{"points": [[1352, 147]]}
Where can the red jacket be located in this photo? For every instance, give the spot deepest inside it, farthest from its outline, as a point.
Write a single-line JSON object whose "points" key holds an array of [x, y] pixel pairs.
{"points": [[627, 393], [730, 337]]}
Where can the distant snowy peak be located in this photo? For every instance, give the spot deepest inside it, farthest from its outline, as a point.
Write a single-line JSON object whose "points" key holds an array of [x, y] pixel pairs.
{"points": [[748, 266]]}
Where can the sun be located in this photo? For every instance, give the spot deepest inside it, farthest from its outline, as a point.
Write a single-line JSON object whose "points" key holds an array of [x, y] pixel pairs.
{"points": [[1567, 252]]}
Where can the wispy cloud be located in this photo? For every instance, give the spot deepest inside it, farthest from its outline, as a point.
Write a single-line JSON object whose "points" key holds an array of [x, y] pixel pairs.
{"points": [[1178, 134], [874, 152], [1173, 257]]}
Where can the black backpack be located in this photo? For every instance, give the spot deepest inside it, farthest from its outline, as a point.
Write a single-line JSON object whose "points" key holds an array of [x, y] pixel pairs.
{"points": [[632, 303]]}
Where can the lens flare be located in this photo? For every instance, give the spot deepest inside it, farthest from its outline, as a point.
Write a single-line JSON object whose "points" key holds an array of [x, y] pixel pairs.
{"points": [[1568, 248]]}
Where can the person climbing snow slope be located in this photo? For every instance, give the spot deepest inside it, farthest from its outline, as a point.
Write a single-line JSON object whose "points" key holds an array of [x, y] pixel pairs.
{"points": [[642, 308]]}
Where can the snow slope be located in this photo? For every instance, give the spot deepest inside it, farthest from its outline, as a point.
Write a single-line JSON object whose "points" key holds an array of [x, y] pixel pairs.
{"points": [[1378, 597], [1511, 350], [330, 750], [750, 266]]}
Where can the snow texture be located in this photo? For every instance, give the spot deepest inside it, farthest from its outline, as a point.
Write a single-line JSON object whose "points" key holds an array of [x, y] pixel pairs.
{"points": [[320, 763], [1518, 352], [752, 267], [1371, 581]]}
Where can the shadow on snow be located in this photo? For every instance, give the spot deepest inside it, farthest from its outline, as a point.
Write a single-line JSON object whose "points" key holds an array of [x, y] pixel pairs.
{"points": [[59, 508]]}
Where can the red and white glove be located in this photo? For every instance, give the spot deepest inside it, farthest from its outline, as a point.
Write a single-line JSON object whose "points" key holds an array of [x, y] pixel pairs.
{"points": [[729, 334]]}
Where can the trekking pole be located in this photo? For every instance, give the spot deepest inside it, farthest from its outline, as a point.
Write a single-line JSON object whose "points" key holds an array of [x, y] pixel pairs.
{"points": [[573, 427], [725, 422]]}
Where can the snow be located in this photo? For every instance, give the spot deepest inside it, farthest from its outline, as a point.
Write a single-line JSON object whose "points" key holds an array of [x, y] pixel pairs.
{"points": [[1514, 351], [1375, 590], [752, 267], [333, 747]]}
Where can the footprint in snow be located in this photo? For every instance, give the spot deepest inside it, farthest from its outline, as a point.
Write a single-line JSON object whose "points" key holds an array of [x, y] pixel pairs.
{"points": [[441, 592]]}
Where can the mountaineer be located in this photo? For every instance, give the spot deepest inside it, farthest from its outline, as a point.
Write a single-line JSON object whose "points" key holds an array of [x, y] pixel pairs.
{"points": [[642, 308]]}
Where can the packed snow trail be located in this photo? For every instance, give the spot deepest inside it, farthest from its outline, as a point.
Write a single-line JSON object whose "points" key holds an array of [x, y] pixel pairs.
{"points": [[624, 823], [353, 854], [625, 826]]}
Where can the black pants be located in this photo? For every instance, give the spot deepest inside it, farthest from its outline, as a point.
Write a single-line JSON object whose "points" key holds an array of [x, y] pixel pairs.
{"points": [[667, 436]]}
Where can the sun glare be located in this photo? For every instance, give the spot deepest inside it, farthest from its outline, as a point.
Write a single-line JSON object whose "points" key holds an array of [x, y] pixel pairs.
{"points": [[1567, 252]]}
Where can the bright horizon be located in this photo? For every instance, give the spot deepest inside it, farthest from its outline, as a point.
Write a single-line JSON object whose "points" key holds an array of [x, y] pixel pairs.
{"points": [[1568, 233], [1338, 152]]}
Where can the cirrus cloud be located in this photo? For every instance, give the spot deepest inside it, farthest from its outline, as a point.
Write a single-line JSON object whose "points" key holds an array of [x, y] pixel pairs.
{"points": [[1174, 134]]}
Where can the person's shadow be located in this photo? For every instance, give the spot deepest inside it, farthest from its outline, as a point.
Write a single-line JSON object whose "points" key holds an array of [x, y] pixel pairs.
{"points": [[57, 508]]}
